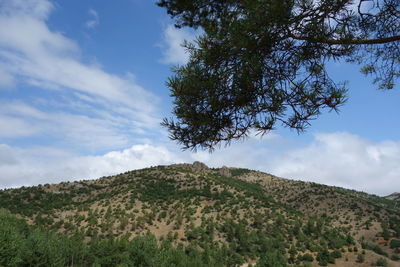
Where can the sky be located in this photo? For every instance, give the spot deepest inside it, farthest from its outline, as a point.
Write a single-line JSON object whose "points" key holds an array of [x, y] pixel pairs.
{"points": [[82, 95]]}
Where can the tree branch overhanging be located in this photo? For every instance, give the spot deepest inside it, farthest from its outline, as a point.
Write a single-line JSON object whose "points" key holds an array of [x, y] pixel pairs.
{"points": [[263, 63], [347, 41]]}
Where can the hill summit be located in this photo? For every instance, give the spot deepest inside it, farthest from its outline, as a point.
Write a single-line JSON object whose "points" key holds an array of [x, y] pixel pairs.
{"points": [[193, 215]]}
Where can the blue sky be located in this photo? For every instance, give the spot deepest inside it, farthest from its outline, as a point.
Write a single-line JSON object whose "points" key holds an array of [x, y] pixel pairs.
{"points": [[82, 93]]}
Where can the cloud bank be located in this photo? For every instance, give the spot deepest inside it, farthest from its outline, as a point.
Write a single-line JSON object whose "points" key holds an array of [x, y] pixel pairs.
{"points": [[44, 165], [340, 159], [345, 160]]}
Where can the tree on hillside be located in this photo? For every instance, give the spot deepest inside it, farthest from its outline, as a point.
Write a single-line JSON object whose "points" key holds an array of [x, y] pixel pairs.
{"points": [[259, 63]]}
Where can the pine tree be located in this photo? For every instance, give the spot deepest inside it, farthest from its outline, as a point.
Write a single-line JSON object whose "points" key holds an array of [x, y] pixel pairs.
{"points": [[262, 63]]}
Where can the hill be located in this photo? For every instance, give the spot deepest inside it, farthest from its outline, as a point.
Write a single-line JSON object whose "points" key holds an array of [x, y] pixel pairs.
{"points": [[192, 215]]}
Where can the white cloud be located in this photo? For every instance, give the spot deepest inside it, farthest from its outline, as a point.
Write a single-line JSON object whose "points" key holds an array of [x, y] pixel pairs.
{"points": [[173, 52], [253, 152], [345, 160], [135, 157], [43, 165], [94, 19], [39, 9], [84, 100], [92, 132], [340, 159], [7, 156], [41, 56], [12, 127]]}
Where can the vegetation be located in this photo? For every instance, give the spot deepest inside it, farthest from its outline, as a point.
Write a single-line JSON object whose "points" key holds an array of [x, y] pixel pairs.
{"points": [[262, 63], [22, 245], [182, 216]]}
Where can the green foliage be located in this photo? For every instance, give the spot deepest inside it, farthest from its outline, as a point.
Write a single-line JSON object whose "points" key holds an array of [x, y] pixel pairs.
{"points": [[381, 262], [374, 247], [10, 239], [336, 254], [225, 221], [324, 257], [306, 257], [262, 63], [24, 246], [395, 257], [239, 171], [32, 199], [249, 189], [360, 258], [394, 243], [272, 259]]}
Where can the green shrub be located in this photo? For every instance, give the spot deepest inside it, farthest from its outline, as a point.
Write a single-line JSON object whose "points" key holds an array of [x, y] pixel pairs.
{"points": [[394, 243], [360, 258], [381, 262], [306, 257], [394, 257]]}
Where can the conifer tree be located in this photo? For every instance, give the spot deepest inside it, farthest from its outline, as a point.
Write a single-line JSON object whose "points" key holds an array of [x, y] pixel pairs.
{"points": [[259, 63]]}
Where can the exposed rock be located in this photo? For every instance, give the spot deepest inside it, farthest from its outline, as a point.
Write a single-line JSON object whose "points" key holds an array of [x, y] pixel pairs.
{"points": [[393, 196], [224, 171], [78, 186], [198, 166]]}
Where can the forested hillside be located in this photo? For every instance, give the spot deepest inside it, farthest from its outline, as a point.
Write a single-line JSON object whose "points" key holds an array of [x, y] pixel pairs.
{"points": [[191, 215]]}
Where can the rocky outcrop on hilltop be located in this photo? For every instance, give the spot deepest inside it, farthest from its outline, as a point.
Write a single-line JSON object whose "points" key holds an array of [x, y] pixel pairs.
{"points": [[198, 166], [393, 196]]}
